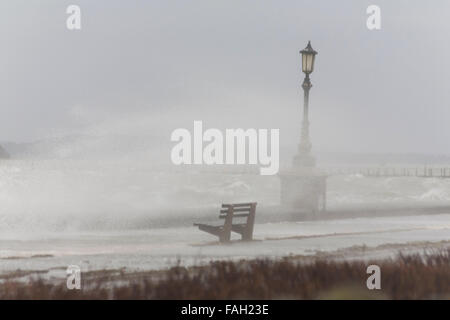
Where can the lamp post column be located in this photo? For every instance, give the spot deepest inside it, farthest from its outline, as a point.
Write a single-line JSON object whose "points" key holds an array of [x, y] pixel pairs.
{"points": [[304, 157]]}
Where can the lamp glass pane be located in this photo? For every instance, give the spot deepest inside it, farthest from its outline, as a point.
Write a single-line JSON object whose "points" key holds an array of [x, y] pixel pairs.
{"points": [[309, 62], [306, 63], [312, 63], [304, 66]]}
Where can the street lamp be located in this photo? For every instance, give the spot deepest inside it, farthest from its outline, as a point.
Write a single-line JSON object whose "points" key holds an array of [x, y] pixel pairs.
{"points": [[304, 187], [308, 57], [304, 157]]}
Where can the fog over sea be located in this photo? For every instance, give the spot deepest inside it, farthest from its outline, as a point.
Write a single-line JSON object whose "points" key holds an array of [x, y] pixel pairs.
{"points": [[76, 194], [136, 211]]}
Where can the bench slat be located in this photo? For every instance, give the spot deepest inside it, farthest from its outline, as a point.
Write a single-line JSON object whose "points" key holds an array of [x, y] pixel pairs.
{"points": [[235, 210], [237, 205], [239, 215]]}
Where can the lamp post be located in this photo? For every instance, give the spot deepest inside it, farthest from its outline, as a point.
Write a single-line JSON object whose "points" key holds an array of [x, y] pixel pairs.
{"points": [[304, 187], [304, 157]]}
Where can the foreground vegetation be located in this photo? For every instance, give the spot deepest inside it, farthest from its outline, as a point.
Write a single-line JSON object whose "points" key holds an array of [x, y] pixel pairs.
{"points": [[406, 277]]}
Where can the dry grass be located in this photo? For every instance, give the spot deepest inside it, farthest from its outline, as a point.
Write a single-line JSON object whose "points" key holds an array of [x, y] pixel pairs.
{"points": [[406, 277]]}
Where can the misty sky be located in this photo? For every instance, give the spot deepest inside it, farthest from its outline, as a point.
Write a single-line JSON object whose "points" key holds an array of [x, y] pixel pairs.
{"points": [[152, 66]]}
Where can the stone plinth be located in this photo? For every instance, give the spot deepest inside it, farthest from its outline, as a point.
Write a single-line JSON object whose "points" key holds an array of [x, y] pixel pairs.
{"points": [[303, 190]]}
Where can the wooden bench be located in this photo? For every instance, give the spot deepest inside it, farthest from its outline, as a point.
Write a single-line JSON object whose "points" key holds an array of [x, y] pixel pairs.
{"points": [[229, 212]]}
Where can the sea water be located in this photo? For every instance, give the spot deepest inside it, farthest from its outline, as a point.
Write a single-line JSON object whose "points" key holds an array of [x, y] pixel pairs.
{"points": [[114, 214]]}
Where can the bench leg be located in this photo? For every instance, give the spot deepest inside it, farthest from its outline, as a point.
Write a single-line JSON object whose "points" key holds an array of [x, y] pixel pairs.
{"points": [[225, 237], [247, 235]]}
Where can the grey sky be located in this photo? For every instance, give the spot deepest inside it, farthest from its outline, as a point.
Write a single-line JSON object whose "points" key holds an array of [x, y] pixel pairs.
{"points": [[152, 66]]}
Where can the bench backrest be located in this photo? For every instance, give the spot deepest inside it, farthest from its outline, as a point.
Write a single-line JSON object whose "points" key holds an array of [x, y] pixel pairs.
{"points": [[238, 210]]}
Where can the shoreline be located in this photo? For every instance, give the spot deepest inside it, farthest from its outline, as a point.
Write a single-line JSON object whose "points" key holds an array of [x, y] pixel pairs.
{"points": [[353, 253], [324, 275]]}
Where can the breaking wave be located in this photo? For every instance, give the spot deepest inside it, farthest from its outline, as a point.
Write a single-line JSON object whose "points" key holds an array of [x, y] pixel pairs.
{"points": [[65, 194]]}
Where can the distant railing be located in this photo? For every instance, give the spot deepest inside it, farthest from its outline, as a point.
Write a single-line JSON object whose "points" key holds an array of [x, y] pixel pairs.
{"points": [[421, 172]]}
